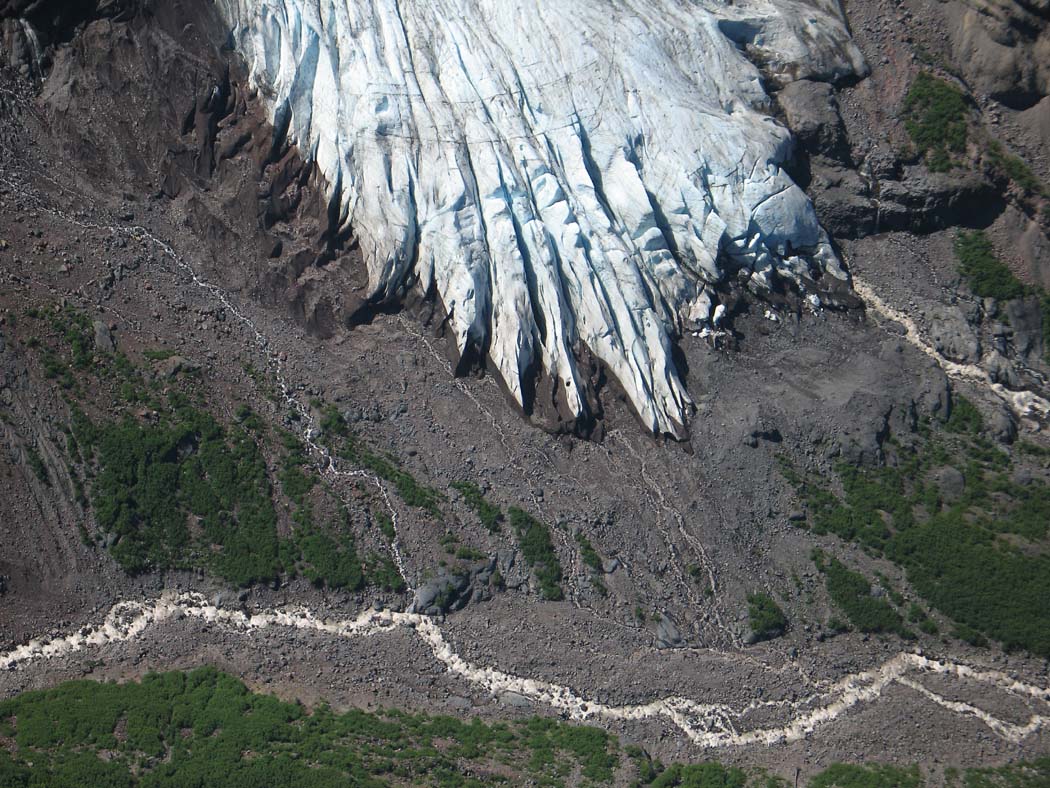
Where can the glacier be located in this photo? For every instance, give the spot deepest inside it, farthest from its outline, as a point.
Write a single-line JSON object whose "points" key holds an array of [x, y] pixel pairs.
{"points": [[564, 175]]}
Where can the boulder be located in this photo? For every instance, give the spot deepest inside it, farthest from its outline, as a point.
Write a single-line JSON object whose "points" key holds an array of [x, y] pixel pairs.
{"points": [[953, 337], [449, 591], [668, 634], [843, 202], [923, 202], [1025, 316], [1002, 426], [1000, 370], [812, 112], [440, 594], [103, 337], [950, 482], [1003, 48]]}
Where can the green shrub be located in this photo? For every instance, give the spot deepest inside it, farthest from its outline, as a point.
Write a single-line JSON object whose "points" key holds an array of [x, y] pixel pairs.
{"points": [[954, 555], [767, 619], [160, 354], [408, 489], [935, 115], [489, 514], [588, 553], [986, 275], [154, 478], [381, 571], [466, 553], [1015, 168], [842, 775], [333, 423], [965, 417], [701, 775], [386, 525], [1034, 774], [329, 562], [536, 548], [853, 594], [295, 482], [206, 729], [36, 464], [78, 335]]}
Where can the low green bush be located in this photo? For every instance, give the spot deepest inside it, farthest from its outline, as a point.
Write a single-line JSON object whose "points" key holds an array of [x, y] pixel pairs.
{"points": [[488, 513], [852, 592], [964, 417], [1015, 168], [207, 730], [588, 554], [37, 465], [765, 616], [987, 276], [534, 539], [842, 775], [956, 553], [935, 117], [412, 492], [700, 775], [182, 491]]}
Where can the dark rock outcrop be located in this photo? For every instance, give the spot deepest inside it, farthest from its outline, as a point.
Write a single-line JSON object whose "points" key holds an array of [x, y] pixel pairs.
{"points": [[453, 590]]}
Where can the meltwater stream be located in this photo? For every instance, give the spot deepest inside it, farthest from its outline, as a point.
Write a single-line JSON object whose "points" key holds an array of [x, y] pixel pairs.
{"points": [[706, 724]]}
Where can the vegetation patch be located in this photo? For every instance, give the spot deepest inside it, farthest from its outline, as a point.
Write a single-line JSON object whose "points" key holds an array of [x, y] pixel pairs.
{"points": [[181, 491], [72, 349], [296, 477], [935, 115], [412, 492], [1015, 168], [158, 354], [842, 775], [207, 730], [589, 555], [172, 488], [979, 557], [490, 515], [986, 275], [852, 592], [342, 441], [36, 464], [534, 538], [965, 419], [592, 561], [767, 619], [701, 775]]}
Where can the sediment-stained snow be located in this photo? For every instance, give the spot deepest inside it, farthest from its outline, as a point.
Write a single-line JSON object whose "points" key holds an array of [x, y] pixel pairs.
{"points": [[564, 175]]}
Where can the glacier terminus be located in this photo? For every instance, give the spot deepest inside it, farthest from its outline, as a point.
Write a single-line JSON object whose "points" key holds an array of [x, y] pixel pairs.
{"points": [[565, 176]]}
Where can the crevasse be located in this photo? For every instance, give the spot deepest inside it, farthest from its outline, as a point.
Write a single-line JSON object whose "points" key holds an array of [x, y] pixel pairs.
{"points": [[563, 174]]}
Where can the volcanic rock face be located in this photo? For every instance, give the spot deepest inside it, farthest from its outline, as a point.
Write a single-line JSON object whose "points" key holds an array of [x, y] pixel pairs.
{"points": [[564, 177]]}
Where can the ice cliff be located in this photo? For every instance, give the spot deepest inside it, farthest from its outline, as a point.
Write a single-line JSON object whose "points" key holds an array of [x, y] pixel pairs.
{"points": [[561, 173]]}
